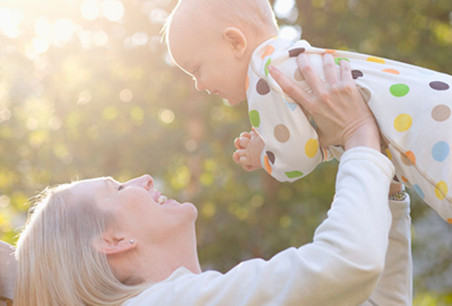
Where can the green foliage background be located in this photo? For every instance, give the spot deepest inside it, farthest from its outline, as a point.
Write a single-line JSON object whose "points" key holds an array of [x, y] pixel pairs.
{"points": [[99, 97]]}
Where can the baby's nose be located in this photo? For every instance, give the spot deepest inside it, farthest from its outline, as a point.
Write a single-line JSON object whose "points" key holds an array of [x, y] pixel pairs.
{"points": [[198, 85]]}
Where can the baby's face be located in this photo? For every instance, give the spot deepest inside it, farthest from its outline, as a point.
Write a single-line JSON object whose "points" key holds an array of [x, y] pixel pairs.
{"points": [[211, 63]]}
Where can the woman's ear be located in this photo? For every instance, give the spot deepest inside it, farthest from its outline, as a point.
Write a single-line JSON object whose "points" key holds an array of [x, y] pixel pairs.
{"points": [[236, 39], [110, 245]]}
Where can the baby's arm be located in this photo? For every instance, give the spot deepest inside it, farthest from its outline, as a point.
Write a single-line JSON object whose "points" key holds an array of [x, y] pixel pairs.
{"points": [[249, 147]]}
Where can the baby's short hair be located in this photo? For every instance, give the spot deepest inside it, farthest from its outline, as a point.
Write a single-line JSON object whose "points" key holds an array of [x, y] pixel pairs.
{"points": [[257, 14]]}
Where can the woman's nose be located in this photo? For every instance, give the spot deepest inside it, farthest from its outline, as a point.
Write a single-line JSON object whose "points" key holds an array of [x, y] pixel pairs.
{"points": [[146, 181]]}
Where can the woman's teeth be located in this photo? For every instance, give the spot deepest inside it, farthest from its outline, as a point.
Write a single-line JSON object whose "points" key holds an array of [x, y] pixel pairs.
{"points": [[161, 199]]}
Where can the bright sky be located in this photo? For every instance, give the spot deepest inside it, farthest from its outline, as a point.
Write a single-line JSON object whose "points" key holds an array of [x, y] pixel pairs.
{"points": [[60, 31]]}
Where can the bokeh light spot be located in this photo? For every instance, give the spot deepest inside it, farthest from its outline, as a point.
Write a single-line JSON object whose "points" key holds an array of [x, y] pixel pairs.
{"points": [[113, 10], [166, 116]]}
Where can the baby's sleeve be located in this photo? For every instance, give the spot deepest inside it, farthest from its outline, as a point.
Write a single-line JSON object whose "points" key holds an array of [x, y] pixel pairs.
{"points": [[292, 147], [291, 144]]}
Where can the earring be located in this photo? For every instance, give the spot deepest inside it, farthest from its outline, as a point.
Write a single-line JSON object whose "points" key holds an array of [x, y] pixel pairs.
{"points": [[131, 241]]}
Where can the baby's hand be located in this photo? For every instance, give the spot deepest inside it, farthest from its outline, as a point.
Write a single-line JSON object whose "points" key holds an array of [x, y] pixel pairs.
{"points": [[249, 148]]}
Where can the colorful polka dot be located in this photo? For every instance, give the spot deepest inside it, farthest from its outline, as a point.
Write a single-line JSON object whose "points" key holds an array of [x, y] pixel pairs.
{"points": [[390, 70], [441, 113], [399, 90], [357, 74], [411, 157], [438, 85], [325, 154], [281, 133], [269, 61], [403, 122], [255, 118], [440, 151], [449, 220], [262, 87], [388, 154], [294, 174], [365, 93], [339, 59], [405, 160], [404, 179], [269, 50], [290, 105], [419, 191], [329, 51], [374, 59], [441, 190], [271, 156], [266, 164], [311, 148], [295, 52]]}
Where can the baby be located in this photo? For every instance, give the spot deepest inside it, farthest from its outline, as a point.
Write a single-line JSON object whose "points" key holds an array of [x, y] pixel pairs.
{"points": [[227, 46]]}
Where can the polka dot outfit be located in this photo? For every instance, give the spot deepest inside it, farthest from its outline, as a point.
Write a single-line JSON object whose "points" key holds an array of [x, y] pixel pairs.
{"points": [[412, 106]]}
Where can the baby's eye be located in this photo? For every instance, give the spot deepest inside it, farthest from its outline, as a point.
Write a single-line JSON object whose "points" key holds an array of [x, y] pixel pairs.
{"points": [[121, 186]]}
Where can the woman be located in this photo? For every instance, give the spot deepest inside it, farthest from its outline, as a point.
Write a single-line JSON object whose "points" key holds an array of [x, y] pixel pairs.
{"points": [[99, 242]]}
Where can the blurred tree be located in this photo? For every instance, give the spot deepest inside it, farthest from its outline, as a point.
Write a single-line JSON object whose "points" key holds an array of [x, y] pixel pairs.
{"points": [[88, 90]]}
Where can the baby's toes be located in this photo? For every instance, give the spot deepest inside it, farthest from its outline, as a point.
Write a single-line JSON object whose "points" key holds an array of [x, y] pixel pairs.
{"points": [[244, 142]]}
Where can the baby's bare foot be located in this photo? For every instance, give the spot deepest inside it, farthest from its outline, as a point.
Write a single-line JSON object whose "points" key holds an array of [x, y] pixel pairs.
{"points": [[249, 147]]}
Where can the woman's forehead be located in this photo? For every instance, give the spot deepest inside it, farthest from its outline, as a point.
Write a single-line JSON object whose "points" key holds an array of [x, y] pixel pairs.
{"points": [[96, 186]]}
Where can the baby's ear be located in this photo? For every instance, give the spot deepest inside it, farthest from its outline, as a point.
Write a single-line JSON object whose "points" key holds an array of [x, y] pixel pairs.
{"points": [[236, 39]]}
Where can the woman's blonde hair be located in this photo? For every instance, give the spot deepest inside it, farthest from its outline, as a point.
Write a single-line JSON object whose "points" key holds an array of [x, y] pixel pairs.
{"points": [[58, 264]]}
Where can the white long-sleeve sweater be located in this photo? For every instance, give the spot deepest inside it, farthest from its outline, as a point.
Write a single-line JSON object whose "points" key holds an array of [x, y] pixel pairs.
{"points": [[342, 266]]}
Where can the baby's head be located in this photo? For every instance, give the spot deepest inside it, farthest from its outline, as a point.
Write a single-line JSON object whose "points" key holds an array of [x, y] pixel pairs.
{"points": [[213, 40]]}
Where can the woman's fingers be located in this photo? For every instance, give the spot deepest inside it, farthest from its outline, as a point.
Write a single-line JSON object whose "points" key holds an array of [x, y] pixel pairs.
{"points": [[329, 67], [346, 71], [290, 88], [335, 104], [307, 70]]}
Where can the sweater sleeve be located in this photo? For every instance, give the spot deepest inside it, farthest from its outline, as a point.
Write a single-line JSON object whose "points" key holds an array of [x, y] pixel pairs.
{"points": [[395, 284], [340, 267]]}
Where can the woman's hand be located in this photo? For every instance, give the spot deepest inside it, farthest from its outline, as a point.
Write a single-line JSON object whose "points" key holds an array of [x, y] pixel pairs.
{"points": [[340, 113]]}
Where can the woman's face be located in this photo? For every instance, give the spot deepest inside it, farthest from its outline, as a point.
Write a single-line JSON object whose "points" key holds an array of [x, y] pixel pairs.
{"points": [[141, 212]]}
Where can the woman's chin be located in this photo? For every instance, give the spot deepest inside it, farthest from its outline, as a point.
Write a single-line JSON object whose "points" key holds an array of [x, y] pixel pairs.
{"points": [[192, 208]]}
